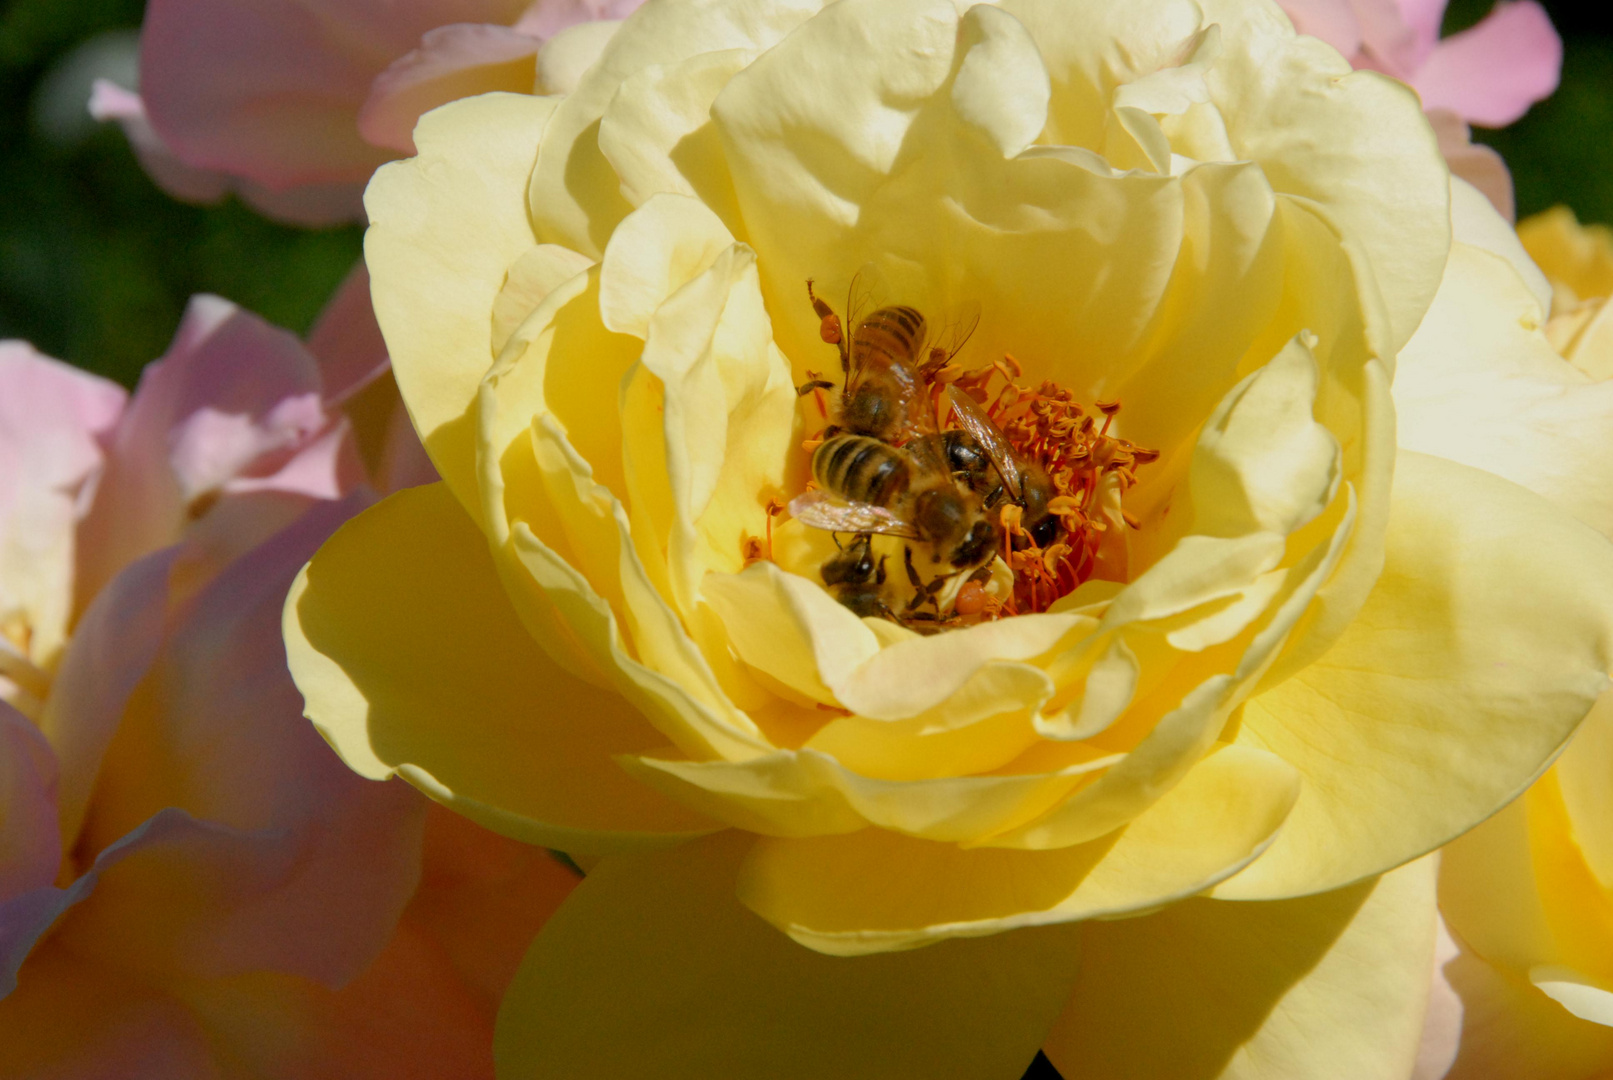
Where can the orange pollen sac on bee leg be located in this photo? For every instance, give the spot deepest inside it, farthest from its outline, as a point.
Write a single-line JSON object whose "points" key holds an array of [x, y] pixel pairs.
{"points": [[1046, 427]]}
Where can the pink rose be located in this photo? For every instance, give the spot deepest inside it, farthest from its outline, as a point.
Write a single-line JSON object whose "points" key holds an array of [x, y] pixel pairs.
{"points": [[293, 107], [189, 878]]}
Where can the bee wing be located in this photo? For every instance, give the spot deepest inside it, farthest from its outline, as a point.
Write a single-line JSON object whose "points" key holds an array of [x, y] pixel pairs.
{"points": [[960, 326], [820, 510], [973, 419]]}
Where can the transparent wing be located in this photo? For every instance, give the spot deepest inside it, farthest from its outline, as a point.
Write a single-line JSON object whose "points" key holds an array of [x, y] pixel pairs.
{"points": [[962, 320], [973, 419], [820, 510]]}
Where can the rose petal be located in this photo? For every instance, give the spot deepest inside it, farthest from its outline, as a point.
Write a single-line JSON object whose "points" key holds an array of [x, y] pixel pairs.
{"points": [[432, 291], [30, 838], [538, 764], [1491, 73], [233, 397], [451, 62], [873, 891], [1454, 644], [1264, 991], [75, 1017], [54, 423], [706, 969]]}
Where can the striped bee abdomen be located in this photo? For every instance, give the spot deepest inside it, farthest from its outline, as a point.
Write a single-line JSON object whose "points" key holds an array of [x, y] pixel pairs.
{"points": [[889, 334], [860, 469]]}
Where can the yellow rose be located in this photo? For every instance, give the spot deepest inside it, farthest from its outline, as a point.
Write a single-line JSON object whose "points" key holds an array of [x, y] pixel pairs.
{"points": [[1528, 895], [1289, 660]]}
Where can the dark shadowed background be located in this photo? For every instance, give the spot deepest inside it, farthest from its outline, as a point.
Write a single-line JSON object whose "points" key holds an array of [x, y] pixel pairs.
{"points": [[96, 263]]}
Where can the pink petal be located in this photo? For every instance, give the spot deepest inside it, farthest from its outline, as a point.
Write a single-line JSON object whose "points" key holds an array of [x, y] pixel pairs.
{"points": [[347, 340], [233, 397], [30, 840], [1491, 73], [1386, 36], [1333, 21], [325, 468], [309, 205], [109, 101], [546, 18], [452, 62], [298, 864], [1425, 18], [269, 90], [54, 420]]}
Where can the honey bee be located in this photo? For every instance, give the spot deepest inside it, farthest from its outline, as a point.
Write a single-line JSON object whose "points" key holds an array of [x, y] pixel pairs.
{"points": [[981, 457], [882, 395], [867, 486], [883, 467]]}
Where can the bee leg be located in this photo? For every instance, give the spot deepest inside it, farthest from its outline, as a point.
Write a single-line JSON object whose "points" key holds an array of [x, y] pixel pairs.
{"points": [[913, 577], [813, 384], [879, 574]]}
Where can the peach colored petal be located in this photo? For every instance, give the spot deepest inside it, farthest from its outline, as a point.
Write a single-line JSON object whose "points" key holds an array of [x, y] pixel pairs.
{"points": [[215, 730], [77, 1019], [1491, 74], [483, 898], [111, 650], [407, 1017], [450, 63], [180, 897], [1474, 162]]}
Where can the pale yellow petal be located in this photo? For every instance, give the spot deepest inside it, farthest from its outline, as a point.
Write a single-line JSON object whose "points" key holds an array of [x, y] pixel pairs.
{"points": [[874, 891], [1491, 629], [652, 969], [1476, 223], [1324, 987], [574, 194], [1582, 773], [658, 134], [445, 226], [412, 661], [656, 250], [1481, 385]]}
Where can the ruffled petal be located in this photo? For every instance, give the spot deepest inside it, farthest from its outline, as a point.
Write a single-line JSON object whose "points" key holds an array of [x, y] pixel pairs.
{"points": [[433, 292]]}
